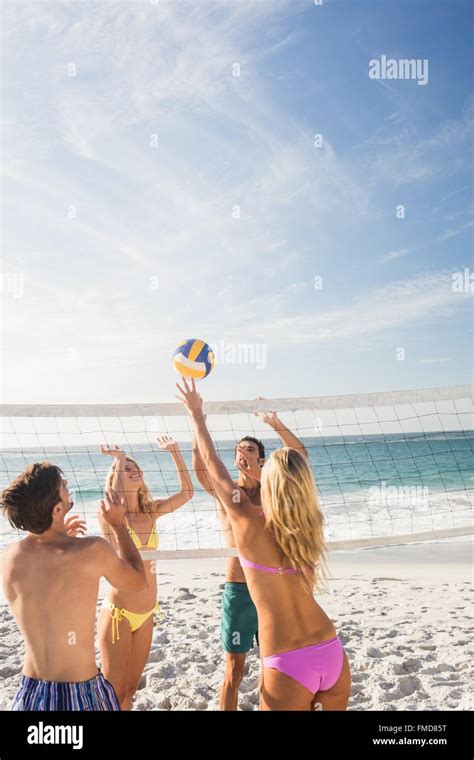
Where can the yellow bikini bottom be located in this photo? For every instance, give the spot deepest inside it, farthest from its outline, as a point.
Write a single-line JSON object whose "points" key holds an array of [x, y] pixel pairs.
{"points": [[136, 619]]}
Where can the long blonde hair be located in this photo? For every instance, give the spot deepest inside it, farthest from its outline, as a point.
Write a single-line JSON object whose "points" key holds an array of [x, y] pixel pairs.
{"points": [[293, 515], [145, 499]]}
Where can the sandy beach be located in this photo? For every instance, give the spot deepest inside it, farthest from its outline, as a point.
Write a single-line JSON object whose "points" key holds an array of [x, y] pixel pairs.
{"points": [[402, 613]]}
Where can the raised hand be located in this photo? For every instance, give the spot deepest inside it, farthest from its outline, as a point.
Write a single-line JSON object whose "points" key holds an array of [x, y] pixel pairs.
{"points": [[167, 443], [112, 451], [269, 418], [75, 526], [112, 508], [190, 397], [248, 463]]}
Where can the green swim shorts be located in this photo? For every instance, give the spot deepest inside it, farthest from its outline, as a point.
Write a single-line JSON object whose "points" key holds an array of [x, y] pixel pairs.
{"points": [[239, 621]]}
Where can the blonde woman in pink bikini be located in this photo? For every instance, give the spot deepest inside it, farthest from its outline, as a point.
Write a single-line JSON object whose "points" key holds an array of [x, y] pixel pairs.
{"points": [[280, 546]]}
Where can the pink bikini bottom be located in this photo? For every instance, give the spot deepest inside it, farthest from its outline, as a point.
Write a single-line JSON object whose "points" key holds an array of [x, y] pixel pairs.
{"points": [[316, 667]]}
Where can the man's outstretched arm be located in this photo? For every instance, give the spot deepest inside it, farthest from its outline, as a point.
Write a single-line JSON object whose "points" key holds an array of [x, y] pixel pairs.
{"points": [[289, 439]]}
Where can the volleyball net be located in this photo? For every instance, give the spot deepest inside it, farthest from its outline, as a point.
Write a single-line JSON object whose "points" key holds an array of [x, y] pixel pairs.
{"points": [[392, 467]]}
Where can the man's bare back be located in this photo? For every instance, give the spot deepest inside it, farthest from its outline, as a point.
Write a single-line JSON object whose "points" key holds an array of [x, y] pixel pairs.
{"points": [[52, 589]]}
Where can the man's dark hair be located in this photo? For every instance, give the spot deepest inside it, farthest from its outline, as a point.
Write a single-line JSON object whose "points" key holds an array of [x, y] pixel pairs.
{"points": [[29, 500], [261, 447]]}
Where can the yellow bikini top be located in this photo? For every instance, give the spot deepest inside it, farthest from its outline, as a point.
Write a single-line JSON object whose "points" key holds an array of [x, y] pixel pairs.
{"points": [[153, 538]]}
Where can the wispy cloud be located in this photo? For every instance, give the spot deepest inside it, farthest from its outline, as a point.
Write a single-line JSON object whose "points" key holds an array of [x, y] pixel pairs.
{"points": [[436, 360], [406, 156], [392, 306], [393, 255], [453, 231]]}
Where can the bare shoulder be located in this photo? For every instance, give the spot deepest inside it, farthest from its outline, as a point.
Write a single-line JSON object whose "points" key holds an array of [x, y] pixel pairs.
{"points": [[94, 542], [6, 556], [11, 551], [241, 504], [10, 556], [95, 553], [95, 546]]}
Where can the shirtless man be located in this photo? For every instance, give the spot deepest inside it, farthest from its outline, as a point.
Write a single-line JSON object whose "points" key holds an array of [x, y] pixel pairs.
{"points": [[239, 621], [51, 581]]}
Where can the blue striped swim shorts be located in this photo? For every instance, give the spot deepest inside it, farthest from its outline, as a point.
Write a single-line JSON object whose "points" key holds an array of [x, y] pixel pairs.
{"points": [[94, 694]]}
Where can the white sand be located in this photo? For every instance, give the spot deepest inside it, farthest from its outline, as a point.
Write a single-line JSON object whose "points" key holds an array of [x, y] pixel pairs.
{"points": [[402, 614]]}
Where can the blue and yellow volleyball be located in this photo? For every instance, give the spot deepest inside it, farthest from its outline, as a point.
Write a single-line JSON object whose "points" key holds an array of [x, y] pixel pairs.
{"points": [[193, 358]]}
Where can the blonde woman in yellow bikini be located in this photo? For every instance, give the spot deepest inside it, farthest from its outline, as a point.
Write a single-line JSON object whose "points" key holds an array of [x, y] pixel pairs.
{"points": [[125, 626]]}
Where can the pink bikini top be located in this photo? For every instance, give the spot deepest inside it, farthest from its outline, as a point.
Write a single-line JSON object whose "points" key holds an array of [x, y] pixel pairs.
{"points": [[264, 568], [280, 570]]}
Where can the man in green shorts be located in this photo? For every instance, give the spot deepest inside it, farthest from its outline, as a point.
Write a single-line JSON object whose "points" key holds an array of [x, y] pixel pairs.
{"points": [[239, 622]]}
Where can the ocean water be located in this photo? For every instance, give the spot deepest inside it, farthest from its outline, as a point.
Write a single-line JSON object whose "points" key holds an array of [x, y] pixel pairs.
{"points": [[368, 486]]}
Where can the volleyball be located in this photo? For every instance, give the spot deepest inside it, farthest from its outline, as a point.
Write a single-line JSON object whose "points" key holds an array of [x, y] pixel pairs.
{"points": [[193, 358]]}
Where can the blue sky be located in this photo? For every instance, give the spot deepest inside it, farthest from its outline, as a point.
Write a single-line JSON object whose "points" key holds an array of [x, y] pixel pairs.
{"points": [[153, 252]]}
